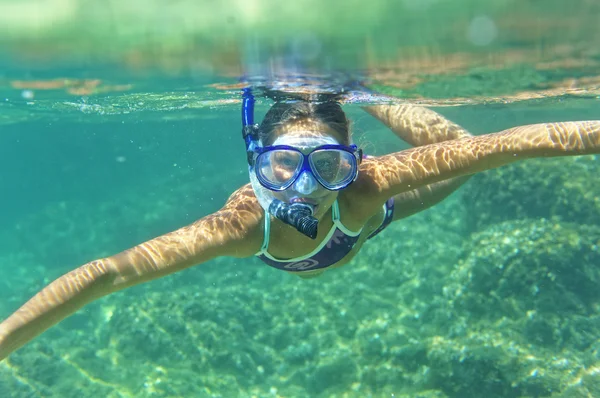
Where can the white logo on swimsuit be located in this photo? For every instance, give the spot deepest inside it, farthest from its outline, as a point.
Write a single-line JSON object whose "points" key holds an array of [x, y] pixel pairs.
{"points": [[302, 265]]}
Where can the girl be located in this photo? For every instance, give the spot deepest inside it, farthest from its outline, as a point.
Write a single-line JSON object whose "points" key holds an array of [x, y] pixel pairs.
{"points": [[313, 200]]}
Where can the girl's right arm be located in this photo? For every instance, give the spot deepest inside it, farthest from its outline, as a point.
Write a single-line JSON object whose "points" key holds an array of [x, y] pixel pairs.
{"points": [[235, 230]]}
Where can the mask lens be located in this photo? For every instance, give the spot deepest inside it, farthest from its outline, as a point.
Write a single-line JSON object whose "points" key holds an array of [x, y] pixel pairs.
{"points": [[278, 168], [334, 168]]}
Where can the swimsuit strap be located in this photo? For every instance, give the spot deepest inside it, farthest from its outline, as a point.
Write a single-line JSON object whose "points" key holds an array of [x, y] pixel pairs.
{"points": [[388, 217], [266, 233], [335, 216], [335, 211]]}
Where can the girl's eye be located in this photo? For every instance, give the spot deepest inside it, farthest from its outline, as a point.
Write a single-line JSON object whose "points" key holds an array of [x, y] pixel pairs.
{"points": [[324, 165], [287, 161]]}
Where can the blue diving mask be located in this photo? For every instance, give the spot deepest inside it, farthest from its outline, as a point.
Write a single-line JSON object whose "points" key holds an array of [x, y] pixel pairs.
{"points": [[303, 162]]}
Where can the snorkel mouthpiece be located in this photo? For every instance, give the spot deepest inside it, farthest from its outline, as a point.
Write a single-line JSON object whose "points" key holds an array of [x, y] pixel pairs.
{"points": [[298, 215]]}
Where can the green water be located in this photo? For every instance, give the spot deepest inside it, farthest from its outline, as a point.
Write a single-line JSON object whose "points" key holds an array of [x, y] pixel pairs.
{"points": [[120, 121]]}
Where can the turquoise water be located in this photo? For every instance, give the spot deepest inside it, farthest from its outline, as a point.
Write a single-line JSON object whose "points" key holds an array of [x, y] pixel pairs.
{"points": [[115, 128]]}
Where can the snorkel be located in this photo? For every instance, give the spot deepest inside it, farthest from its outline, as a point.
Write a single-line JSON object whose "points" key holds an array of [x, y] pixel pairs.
{"points": [[298, 215]]}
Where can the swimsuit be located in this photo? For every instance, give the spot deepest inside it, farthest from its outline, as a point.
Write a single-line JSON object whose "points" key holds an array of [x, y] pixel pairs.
{"points": [[336, 245]]}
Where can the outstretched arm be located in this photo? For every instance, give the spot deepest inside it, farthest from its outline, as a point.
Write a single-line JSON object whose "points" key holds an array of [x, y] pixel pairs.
{"points": [[420, 126], [385, 176], [229, 232]]}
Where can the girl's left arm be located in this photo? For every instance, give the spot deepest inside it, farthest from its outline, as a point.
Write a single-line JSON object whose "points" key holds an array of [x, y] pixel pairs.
{"points": [[385, 176]]}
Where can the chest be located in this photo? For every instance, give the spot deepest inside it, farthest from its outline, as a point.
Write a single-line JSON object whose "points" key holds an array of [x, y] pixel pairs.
{"points": [[287, 243]]}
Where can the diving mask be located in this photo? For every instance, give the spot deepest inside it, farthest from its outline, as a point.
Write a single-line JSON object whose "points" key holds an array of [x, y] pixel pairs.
{"points": [[302, 162]]}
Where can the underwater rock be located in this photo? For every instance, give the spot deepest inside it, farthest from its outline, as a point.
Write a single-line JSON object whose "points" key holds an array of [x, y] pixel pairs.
{"points": [[298, 354], [562, 188], [45, 370], [526, 293], [336, 369], [529, 267], [486, 363]]}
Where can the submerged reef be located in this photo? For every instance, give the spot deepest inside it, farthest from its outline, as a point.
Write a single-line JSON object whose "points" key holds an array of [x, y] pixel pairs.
{"points": [[492, 293], [563, 188], [524, 307]]}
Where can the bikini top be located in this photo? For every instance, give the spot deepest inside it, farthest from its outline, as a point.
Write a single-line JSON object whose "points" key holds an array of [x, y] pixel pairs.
{"points": [[336, 245]]}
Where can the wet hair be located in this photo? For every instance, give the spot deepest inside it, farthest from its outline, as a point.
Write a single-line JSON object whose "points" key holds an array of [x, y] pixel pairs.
{"points": [[328, 113]]}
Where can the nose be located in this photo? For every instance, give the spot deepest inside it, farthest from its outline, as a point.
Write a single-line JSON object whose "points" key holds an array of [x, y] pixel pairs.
{"points": [[305, 184]]}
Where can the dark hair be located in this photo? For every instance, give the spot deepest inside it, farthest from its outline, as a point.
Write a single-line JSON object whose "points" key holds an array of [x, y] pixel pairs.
{"points": [[328, 113]]}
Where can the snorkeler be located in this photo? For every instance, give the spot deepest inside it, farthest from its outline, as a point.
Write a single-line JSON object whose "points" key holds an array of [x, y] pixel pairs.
{"points": [[313, 200]]}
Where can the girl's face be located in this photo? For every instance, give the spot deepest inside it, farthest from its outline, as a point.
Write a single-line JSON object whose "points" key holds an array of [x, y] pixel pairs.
{"points": [[306, 188]]}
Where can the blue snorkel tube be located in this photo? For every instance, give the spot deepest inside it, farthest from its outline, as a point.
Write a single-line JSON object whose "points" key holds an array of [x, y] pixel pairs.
{"points": [[298, 215]]}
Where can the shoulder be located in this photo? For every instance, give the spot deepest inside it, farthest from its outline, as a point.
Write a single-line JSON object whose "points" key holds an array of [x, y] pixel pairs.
{"points": [[243, 199], [234, 230], [241, 218], [364, 198]]}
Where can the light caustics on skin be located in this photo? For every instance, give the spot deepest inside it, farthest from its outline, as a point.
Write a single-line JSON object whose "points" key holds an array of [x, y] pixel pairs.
{"points": [[420, 126], [208, 237], [409, 169]]}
